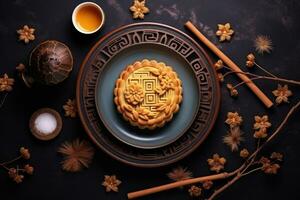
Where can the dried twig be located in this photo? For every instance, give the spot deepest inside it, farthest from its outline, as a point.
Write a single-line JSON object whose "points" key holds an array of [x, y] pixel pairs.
{"points": [[3, 100], [251, 159], [255, 77], [237, 174]]}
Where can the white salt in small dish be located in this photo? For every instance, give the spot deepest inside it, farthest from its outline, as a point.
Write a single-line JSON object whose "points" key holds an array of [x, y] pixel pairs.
{"points": [[45, 124]]}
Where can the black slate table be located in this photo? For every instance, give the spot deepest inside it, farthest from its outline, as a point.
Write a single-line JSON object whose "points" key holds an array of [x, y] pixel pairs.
{"points": [[52, 20]]}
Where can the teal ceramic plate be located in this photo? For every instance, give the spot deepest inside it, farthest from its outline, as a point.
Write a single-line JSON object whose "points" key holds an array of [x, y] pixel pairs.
{"points": [[123, 130]]}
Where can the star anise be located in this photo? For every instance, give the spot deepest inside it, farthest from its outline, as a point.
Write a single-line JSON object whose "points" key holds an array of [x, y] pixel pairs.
{"points": [[70, 108], [6, 83], [26, 34], [111, 183], [224, 32], [139, 9]]}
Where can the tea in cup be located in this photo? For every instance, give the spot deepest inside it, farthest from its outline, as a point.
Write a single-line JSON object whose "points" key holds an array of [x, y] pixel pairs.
{"points": [[88, 17]]}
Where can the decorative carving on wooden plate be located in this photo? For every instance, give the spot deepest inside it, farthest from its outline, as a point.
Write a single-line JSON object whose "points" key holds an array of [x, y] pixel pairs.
{"points": [[137, 34]]}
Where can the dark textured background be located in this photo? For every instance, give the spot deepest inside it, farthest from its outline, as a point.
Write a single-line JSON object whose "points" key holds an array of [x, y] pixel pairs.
{"points": [[52, 20]]}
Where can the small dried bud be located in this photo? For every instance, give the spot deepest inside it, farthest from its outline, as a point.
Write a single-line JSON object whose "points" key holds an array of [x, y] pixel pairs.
{"points": [[12, 172], [219, 65], [220, 77], [20, 67], [263, 160], [195, 191], [25, 153], [244, 153], [251, 57], [234, 93], [207, 185], [229, 86], [249, 64], [28, 169]]}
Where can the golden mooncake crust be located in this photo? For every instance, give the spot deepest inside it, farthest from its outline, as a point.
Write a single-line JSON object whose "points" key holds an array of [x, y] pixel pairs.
{"points": [[148, 93]]}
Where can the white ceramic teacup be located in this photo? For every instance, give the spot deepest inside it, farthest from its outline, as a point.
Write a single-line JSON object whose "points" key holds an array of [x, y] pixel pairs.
{"points": [[82, 9]]}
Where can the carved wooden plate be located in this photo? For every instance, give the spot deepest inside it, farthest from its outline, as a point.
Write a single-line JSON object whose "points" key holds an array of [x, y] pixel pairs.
{"points": [[147, 33]]}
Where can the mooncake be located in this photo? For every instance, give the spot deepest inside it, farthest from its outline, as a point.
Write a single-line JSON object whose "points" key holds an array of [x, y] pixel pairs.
{"points": [[148, 93]]}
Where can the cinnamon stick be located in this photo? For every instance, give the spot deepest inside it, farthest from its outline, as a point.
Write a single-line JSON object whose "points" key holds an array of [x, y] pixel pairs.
{"points": [[266, 101], [169, 186]]}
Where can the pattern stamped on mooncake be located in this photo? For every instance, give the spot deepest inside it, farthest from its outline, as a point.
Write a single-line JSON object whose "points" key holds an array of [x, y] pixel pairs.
{"points": [[148, 93]]}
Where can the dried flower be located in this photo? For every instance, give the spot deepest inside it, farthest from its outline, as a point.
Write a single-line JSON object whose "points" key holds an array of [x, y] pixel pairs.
{"points": [[78, 154], [25, 153], [195, 191], [18, 178], [268, 167], [26, 33], [233, 138], [261, 133], [6, 83], [111, 183], [70, 108], [271, 169], [244, 153], [207, 185], [179, 174], [276, 156], [139, 9], [233, 119], [224, 32], [13, 174], [28, 169], [282, 94], [219, 65], [216, 163], [220, 77], [20, 67], [261, 122], [263, 44]]}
